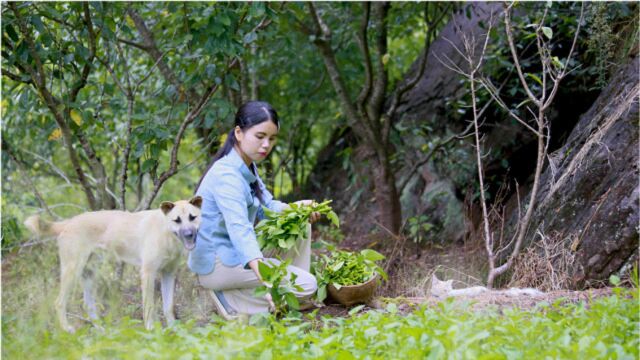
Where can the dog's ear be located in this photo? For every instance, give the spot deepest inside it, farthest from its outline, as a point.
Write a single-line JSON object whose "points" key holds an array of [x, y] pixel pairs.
{"points": [[196, 201], [166, 206]]}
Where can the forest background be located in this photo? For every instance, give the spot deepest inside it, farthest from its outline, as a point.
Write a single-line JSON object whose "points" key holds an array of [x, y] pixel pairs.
{"points": [[385, 109]]}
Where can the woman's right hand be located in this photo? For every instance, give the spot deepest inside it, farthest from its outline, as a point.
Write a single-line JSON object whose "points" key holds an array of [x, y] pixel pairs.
{"points": [[253, 264]]}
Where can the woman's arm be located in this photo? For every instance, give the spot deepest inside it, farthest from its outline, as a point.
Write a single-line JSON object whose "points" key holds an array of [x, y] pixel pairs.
{"points": [[253, 264]]}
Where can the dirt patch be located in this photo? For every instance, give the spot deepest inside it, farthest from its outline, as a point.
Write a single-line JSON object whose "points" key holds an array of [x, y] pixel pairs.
{"points": [[493, 300]]}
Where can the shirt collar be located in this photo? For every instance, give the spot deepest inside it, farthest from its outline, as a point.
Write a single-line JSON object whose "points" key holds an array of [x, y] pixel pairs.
{"points": [[237, 162]]}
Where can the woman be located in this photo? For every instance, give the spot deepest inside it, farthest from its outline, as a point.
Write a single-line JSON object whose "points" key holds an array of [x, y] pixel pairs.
{"points": [[227, 254]]}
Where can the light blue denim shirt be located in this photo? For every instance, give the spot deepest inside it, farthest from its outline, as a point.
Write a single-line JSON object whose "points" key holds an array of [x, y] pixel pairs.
{"points": [[229, 210]]}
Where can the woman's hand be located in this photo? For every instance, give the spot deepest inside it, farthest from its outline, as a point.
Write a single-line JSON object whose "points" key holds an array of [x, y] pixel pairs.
{"points": [[253, 264], [314, 216]]}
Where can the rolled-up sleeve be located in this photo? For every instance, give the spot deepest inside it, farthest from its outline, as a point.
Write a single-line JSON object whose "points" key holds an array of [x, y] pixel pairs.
{"points": [[233, 206]]}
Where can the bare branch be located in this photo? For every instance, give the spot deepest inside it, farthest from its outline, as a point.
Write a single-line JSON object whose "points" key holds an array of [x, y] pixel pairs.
{"points": [[495, 96], [134, 44], [514, 54], [430, 154], [562, 72]]}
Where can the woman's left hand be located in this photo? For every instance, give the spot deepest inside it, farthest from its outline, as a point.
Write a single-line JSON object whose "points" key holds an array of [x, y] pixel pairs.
{"points": [[314, 216]]}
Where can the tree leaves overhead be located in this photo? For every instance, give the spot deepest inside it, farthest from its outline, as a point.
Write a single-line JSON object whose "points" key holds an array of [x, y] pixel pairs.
{"points": [[99, 78]]}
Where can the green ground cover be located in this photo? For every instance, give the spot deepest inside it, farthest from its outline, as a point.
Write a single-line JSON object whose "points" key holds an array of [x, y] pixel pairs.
{"points": [[604, 328]]}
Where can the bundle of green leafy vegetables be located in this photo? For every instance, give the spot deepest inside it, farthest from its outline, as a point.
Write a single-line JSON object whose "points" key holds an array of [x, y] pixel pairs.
{"points": [[344, 268], [281, 231]]}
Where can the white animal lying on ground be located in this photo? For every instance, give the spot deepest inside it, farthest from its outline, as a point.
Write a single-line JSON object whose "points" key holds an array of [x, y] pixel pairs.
{"points": [[444, 289]]}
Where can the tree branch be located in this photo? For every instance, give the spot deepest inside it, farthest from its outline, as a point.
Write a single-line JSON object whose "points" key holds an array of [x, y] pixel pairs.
{"points": [[364, 48], [323, 42], [176, 145], [8, 149], [431, 29], [150, 46], [376, 100], [39, 75], [514, 54]]}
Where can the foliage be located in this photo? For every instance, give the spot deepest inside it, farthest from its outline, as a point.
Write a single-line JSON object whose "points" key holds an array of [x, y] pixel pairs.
{"points": [[419, 228], [605, 328], [117, 87], [602, 40], [281, 231], [280, 283], [345, 268]]}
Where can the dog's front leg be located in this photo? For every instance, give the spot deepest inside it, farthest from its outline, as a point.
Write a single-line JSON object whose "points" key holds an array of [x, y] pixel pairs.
{"points": [[167, 287], [148, 278]]}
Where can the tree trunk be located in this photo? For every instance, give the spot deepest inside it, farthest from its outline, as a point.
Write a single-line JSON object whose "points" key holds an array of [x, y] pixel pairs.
{"points": [[386, 196]]}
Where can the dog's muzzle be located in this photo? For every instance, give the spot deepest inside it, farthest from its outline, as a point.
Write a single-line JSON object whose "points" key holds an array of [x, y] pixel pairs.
{"points": [[188, 237]]}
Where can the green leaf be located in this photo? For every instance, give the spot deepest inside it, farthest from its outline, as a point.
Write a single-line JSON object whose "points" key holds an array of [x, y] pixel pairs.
{"points": [[534, 77], [37, 23], [614, 280], [224, 19], [334, 218], [12, 33], [372, 255], [250, 37], [292, 301], [265, 270], [260, 291], [321, 293], [556, 61], [547, 32], [355, 310], [148, 165]]}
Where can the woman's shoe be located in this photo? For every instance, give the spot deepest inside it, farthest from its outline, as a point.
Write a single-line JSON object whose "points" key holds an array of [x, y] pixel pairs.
{"points": [[222, 307]]}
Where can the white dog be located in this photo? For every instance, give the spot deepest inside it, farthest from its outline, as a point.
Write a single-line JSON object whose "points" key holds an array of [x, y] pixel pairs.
{"points": [[153, 240]]}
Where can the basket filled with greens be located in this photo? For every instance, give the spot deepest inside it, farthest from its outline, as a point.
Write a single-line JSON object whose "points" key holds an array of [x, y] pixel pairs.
{"points": [[281, 231], [348, 277]]}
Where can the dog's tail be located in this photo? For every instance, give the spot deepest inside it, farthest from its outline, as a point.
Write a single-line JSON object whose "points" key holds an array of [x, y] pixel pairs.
{"points": [[40, 227]]}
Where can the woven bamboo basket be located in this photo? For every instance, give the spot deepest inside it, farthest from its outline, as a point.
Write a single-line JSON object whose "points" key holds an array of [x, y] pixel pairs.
{"points": [[354, 294]]}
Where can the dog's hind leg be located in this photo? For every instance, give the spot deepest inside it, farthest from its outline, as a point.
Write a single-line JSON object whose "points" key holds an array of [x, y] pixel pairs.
{"points": [[167, 288], [88, 292], [72, 262], [148, 278]]}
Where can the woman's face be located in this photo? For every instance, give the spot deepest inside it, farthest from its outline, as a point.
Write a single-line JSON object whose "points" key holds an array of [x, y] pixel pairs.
{"points": [[256, 142]]}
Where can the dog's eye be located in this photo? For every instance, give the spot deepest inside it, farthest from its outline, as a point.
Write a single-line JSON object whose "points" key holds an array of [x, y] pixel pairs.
{"points": [[177, 221], [191, 217]]}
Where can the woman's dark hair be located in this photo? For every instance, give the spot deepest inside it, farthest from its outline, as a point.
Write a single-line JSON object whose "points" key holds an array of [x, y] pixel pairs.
{"points": [[248, 115]]}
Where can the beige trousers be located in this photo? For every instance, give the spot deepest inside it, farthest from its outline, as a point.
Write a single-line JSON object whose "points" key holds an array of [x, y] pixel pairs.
{"points": [[238, 284]]}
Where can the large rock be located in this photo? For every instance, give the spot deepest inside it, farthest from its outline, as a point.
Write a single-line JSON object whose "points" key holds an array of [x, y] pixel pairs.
{"points": [[429, 193], [590, 190]]}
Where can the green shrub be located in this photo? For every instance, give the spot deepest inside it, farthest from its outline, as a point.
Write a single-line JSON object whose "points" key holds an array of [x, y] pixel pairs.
{"points": [[606, 328]]}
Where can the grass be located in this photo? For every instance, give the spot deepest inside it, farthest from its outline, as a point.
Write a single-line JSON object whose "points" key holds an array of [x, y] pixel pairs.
{"points": [[603, 328], [606, 329]]}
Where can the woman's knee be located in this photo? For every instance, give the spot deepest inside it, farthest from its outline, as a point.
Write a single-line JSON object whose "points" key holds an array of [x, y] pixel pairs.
{"points": [[308, 283]]}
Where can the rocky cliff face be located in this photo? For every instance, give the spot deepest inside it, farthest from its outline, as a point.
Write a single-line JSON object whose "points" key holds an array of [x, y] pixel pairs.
{"points": [[590, 195]]}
